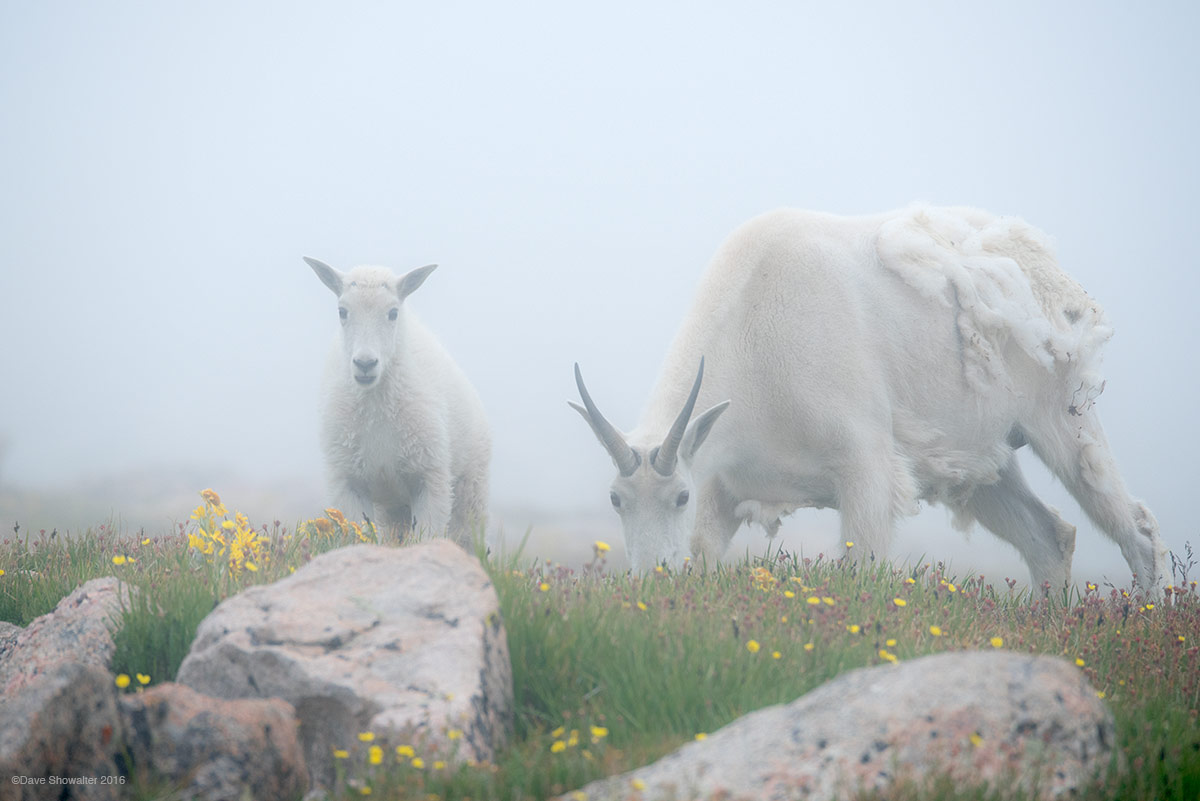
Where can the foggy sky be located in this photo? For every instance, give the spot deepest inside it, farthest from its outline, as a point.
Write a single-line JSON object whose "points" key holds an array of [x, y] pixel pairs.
{"points": [[163, 168]]}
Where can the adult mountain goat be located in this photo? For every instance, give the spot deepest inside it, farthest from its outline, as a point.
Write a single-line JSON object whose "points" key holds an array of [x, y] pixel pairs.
{"points": [[866, 363], [405, 438]]}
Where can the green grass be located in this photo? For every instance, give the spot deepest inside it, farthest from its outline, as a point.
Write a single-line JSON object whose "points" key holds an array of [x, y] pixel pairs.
{"points": [[613, 672]]}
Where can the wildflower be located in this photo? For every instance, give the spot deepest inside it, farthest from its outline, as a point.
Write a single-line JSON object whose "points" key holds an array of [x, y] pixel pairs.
{"points": [[752, 646], [253, 568], [366, 736], [952, 588], [122, 681], [849, 544], [341, 753], [439, 765], [143, 678], [573, 738], [364, 790], [1181, 637], [884, 654], [638, 784], [454, 734], [789, 594], [1100, 694], [899, 602], [599, 733], [910, 580], [1079, 662], [853, 628], [808, 646], [375, 755], [1090, 586], [1149, 606], [120, 560], [783, 619], [1, 572], [600, 546], [558, 746], [827, 600], [578, 795], [405, 751], [658, 569], [814, 600], [641, 606], [210, 497], [544, 586], [418, 763], [558, 732], [997, 642], [936, 631], [976, 739], [890, 643], [146, 541], [701, 735], [336, 516]]}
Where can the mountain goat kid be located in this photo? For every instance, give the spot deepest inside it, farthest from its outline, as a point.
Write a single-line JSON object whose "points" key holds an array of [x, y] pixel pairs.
{"points": [[405, 438], [868, 363]]}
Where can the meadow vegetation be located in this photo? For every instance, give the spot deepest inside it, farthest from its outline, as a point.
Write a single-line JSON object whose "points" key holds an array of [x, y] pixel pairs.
{"points": [[614, 671]]}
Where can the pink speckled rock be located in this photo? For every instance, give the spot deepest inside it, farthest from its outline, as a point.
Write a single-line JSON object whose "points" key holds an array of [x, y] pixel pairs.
{"points": [[213, 749], [80, 629], [996, 718], [406, 643]]}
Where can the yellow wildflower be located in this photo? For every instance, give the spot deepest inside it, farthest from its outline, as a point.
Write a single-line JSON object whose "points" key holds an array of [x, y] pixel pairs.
{"points": [[439, 765], [638, 784], [558, 732], [454, 734], [118, 560], [976, 739], [641, 606], [853, 628], [341, 753], [890, 643], [936, 631], [899, 602], [776, 655], [997, 642], [210, 497], [122, 681], [827, 600], [814, 600], [418, 763], [599, 732], [600, 546], [752, 646], [366, 736], [889, 656], [1079, 662], [375, 755], [808, 646], [544, 587], [405, 751], [849, 544], [701, 736], [143, 678], [789, 594]]}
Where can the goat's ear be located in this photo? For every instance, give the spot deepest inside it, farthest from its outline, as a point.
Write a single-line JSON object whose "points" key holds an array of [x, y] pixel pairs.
{"points": [[329, 276], [410, 282], [697, 430]]}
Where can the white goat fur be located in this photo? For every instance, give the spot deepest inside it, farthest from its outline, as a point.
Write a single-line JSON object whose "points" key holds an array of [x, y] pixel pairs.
{"points": [[405, 438], [872, 362]]}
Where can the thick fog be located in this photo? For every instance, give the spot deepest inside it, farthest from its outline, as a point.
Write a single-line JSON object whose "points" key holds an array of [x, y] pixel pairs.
{"points": [[164, 166]]}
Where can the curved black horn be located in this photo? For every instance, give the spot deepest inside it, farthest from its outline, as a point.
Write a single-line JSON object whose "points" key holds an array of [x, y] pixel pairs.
{"points": [[626, 460], [664, 460]]}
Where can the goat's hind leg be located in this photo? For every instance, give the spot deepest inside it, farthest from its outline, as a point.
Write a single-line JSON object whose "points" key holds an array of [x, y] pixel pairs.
{"points": [[1078, 453], [1011, 511]]}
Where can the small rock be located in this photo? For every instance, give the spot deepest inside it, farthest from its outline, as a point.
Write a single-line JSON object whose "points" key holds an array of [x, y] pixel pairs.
{"points": [[80, 629], [62, 727], [996, 718], [406, 643], [214, 749]]}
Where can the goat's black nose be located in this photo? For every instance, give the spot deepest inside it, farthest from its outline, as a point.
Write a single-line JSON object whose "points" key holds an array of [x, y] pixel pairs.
{"points": [[365, 364]]}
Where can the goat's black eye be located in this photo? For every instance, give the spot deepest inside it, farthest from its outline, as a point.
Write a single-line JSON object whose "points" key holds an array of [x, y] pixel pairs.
{"points": [[393, 314], [616, 501], [342, 312], [682, 499]]}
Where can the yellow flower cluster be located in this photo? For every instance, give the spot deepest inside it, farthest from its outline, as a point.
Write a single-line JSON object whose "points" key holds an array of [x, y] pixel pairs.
{"points": [[335, 523], [763, 580], [232, 541]]}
